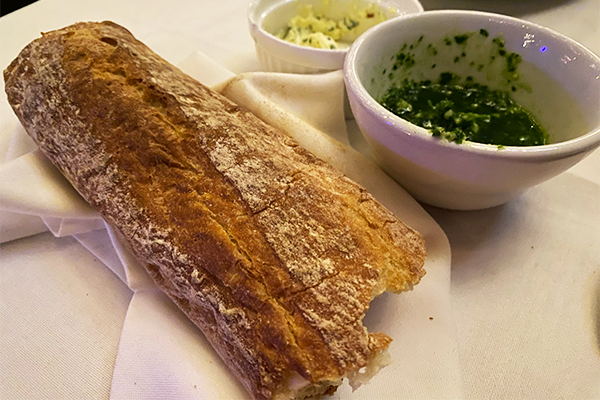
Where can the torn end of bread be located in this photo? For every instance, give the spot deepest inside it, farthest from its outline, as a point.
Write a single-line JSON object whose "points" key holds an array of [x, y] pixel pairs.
{"points": [[271, 252], [296, 387]]}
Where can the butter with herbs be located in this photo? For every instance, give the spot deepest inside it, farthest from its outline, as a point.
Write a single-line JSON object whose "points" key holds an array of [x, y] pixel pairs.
{"points": [[315, 29]]}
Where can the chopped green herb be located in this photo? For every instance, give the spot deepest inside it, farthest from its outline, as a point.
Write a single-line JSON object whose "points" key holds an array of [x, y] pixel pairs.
{"points": [[499, 41], [447, 77], [350, 23], [512, 60], [460, 39]]}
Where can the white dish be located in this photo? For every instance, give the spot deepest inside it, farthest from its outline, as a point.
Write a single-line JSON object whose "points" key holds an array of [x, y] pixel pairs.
{"points": [[267, 17], [473, 175]]}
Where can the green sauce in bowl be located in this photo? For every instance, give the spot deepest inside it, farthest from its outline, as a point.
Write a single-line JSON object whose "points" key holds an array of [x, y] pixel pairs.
{"points": [[459, 108], [469, 111]]}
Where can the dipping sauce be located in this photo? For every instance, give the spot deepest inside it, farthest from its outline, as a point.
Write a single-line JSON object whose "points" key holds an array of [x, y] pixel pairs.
{"points": [[457, 108], [316, 29], [470, 112]]}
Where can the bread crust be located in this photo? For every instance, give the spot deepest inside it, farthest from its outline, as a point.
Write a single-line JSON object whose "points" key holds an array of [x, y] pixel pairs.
{"points": [[271, 252]]}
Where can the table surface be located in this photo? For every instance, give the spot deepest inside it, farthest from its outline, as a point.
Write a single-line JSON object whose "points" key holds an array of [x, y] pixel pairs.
{"points": [[525, 276]]}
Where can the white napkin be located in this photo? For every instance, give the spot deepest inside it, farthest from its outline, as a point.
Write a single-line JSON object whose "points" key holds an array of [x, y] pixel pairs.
{"points": [[30, 186], [161, 354]]}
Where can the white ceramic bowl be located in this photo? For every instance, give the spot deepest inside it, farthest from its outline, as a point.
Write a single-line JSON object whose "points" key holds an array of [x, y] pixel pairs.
{"points": [[564, 78], [267, 17]]}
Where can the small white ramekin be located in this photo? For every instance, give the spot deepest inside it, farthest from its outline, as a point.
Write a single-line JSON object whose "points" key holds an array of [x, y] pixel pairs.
{"points": [[277, 55]]}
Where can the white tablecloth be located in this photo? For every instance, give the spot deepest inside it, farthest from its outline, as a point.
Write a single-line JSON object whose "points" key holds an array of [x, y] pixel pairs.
{"points": [[525, 276]]}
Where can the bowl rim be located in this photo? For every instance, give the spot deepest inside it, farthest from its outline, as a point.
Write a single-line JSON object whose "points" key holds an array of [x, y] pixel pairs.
{"points": [[576, 145]]}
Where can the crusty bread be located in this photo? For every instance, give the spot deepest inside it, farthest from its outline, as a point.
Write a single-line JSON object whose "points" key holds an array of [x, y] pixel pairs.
{"points": [[271, 252]]}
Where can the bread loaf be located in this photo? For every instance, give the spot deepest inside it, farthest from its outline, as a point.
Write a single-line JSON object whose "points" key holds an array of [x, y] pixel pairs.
{"points": [[271, 252]]}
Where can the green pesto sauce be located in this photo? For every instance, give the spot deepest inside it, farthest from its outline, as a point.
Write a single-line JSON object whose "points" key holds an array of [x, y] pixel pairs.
{"points": [[470, 112], [460, 109]]}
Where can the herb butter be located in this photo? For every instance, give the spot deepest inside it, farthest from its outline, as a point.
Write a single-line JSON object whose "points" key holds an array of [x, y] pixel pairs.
{"points": [[316, 29]]}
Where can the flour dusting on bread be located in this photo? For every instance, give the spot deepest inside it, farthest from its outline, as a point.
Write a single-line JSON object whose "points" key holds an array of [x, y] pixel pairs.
{"points": [[270, 251]]}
